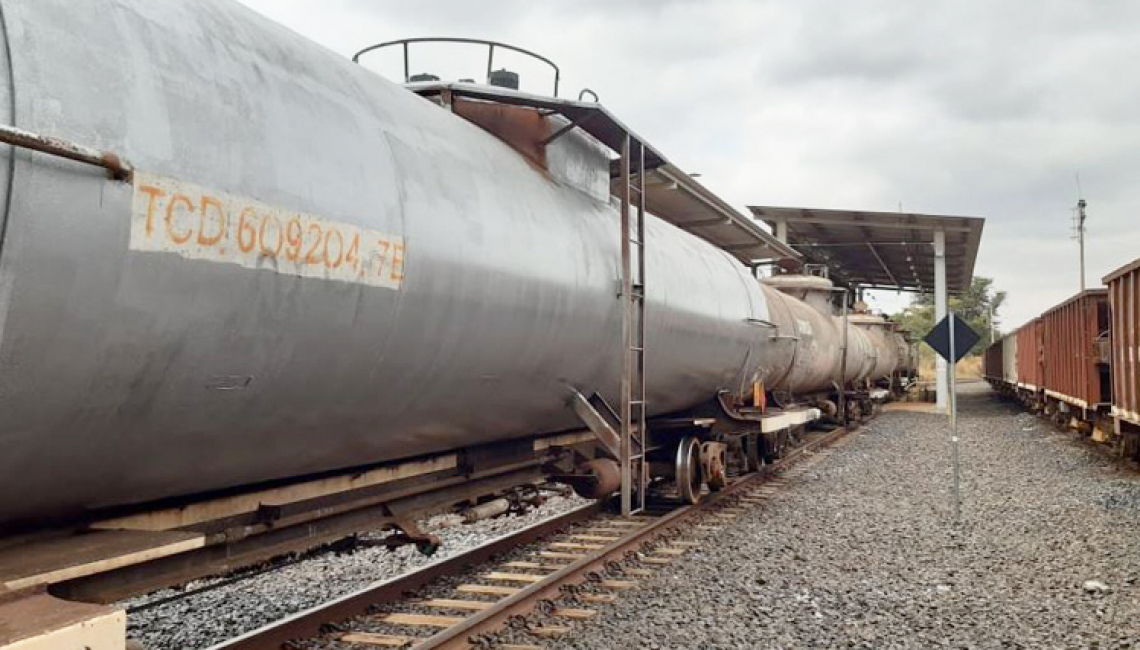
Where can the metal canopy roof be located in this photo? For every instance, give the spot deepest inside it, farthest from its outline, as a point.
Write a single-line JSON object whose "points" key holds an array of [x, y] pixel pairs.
{"points": [[670, 193], [882, 250]]}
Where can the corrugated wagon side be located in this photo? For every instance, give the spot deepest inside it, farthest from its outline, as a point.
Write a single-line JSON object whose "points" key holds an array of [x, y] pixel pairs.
{"points": [[1029, 371], [1074, 368], [1124, 304]]}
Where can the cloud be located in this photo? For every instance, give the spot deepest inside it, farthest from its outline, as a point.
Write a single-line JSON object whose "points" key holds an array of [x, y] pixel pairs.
{"points": [[953, 107]]}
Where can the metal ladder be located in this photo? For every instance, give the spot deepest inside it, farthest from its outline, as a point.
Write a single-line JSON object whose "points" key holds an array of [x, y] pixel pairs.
{"points": [[634, 475]]}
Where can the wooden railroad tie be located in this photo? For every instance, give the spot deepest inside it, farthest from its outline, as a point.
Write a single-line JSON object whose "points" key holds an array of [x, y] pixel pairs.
{"points": [[378, 640], [514, 577], [595, 538], [452, 603], [550, 630], [640, 573], [618, 584], [575, 546], [669, 550], [531, 565], [597, 598], [425, 620], [574, 614], [488, 590], [558, 555], [623, 522]]}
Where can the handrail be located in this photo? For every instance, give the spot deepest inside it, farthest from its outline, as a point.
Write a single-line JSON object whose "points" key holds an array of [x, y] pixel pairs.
{"points": [[491, 45]]}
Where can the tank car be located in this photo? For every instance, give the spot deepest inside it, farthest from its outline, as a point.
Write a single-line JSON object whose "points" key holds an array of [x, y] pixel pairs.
{"points": [[312, 270]]}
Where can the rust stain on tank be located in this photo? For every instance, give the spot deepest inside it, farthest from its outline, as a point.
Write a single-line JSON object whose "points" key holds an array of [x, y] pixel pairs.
{"points": [[524, 129]]}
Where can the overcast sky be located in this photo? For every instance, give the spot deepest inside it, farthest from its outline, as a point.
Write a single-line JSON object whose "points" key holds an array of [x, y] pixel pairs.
{"points": [[959, 107]]}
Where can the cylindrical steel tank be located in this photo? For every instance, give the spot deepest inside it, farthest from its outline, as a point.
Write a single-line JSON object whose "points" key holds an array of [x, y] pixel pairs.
{"points": [[809, 338], [200, 328], [884, 348]]}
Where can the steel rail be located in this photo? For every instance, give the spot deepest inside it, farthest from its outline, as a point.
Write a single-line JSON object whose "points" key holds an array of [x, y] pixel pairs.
{"points": [[309, 623], [313, 622]]}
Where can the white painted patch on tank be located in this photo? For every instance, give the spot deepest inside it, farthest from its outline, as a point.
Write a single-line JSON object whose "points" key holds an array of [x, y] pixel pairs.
{"points": [[174, 216]]}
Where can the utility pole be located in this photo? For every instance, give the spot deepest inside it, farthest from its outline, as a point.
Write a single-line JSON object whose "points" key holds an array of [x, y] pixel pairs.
{"points": [[1081, 203], [1081, 236], [993, 332]]}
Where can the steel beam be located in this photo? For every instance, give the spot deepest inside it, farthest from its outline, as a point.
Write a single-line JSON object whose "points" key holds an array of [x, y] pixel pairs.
{"points": [[940, 310]]}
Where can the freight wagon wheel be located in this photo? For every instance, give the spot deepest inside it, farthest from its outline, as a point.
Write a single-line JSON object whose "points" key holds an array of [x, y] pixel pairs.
{"points": [[687, 472], [1060, 420]]}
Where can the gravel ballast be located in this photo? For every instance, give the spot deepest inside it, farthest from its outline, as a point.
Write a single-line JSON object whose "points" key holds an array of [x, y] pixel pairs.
{"points": [[211, 617], [862, 550]]}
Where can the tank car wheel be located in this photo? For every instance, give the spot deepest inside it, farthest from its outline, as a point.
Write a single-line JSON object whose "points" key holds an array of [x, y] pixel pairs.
{"points": [[687, 470], [713, 464]]}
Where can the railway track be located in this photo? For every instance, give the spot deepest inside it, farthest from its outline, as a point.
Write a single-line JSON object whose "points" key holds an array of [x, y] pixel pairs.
{"points": [[558, 572]]}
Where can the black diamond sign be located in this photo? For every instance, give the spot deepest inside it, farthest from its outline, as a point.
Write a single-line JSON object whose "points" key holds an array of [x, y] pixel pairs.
{"points": [[939, 338]]}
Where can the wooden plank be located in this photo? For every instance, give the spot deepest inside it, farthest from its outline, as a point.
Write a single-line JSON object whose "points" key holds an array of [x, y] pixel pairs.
{"points": [[574, 614], [514, 577], [575, 546], [684, 542], [550, 630], [453, 603], [640, 573], [618, 584], [623, 522], [597, 598], [656, 560], [379, 640], [488, 590], [595, 538], [425, 620], [47, 561], [666, 550]]}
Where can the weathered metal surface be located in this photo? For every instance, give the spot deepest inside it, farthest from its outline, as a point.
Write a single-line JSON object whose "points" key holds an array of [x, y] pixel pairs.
{"points": [[1070, 332], [885, 350], [221, 375], [1124, 302], [525, 129], [804, 354]]}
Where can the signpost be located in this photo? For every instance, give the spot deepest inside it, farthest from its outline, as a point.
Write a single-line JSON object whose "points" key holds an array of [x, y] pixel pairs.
{"points": [[952, 338]]}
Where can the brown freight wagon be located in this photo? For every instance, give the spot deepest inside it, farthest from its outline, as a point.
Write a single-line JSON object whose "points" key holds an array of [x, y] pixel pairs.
{"points": [[1074, 369], [1124, 303], [991, 362], [1029, 373]]}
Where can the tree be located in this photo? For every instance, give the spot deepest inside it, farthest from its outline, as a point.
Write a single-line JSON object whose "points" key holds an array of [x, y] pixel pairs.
{"points": [[972, 306]]}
